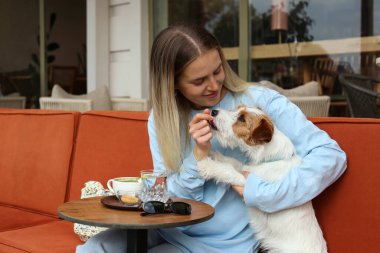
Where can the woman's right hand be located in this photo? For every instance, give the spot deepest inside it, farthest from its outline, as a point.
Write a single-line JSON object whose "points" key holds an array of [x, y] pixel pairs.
{"points": [[200, 131]]}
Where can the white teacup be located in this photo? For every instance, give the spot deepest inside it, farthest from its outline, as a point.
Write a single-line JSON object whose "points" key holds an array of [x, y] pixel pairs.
{"points": [[122, 185]]}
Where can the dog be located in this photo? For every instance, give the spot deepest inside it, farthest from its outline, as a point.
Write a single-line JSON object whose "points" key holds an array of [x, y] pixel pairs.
{"points": [[272, 155]]}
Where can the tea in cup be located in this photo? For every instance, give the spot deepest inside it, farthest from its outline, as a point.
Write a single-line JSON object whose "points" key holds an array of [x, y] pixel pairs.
{"points": [[126, 188]]}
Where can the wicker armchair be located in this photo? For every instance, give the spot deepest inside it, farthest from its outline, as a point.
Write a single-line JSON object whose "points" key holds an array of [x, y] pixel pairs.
{"points": [[130, 104], [50, 103], [362, 96], [313, 106], [82, 105]]}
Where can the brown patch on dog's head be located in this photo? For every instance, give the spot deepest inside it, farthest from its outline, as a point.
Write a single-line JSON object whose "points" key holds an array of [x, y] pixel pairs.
{"points": [[253, 129]]}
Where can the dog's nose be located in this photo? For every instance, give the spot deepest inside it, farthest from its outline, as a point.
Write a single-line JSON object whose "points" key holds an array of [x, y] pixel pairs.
{"points": [[214, 113]]}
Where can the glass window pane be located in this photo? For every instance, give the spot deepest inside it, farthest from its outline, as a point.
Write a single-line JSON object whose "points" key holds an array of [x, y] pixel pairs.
{"points": [[349, 40], [65, 28], [65, 24], [18, 48], [220, 17]]}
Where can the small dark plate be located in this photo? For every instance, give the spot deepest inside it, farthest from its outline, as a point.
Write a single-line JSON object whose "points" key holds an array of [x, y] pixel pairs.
{"points": [[114, 202]]}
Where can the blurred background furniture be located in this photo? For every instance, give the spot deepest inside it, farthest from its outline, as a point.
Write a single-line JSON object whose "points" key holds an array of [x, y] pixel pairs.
{"points": [[307, 97], [313, 106], [130, 104], [50, 103], [362, 94], [13, 102], [82, 105], [64, 76], [325, 73], [20, 83], [312, 88], [99, 99]]}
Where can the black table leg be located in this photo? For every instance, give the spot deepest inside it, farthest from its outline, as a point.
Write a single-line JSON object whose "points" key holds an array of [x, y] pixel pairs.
{"points": [[137, 241]]}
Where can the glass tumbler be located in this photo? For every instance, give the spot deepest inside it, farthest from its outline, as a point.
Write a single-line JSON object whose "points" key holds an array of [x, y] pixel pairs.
{"points": [[154, 187]]}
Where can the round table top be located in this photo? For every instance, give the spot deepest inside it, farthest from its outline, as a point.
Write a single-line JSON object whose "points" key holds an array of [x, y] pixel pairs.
{"points": [[91, 211]]}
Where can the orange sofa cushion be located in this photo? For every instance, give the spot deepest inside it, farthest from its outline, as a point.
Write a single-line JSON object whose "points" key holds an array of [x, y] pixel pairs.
{"points": [[53, 237], [10, 249], [110, 144], [16, 218], [349, 210], [35, 153]]}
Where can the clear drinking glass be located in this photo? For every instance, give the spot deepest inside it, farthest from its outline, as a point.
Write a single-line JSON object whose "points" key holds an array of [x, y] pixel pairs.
{"points": [[154, 187]]}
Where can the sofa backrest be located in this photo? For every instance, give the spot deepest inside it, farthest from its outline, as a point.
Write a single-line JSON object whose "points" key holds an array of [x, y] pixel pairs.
{"points": [[109, 144], [349, 210], [35, 153]]}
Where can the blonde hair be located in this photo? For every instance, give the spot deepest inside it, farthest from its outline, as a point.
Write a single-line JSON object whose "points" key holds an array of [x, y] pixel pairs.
{"points": [[172, 51]]}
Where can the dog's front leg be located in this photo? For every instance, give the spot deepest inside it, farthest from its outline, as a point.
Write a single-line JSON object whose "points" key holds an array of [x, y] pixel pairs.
{"points": [[238, 166], [220, 171]]}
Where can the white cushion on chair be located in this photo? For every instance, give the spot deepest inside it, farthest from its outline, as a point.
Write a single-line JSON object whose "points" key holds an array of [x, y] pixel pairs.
{"points": [[100, 97], [313, 106], [308, 89]]}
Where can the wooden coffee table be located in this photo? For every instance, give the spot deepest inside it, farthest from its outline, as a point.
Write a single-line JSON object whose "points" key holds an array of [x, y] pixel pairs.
{"points": [[92, 212]]}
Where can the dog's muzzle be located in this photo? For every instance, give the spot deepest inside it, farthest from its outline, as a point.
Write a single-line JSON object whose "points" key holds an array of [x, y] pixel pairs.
{"points": [[211, 122]]}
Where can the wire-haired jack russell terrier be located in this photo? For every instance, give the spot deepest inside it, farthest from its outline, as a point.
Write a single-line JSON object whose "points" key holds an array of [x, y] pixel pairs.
{"points": [[271, 155]]}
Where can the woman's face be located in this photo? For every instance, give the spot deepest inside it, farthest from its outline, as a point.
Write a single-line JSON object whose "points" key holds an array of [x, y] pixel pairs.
{"points": [[202, 80]]}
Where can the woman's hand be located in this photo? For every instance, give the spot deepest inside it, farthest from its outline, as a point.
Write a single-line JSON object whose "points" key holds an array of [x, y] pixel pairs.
{"points": [[240, 189], [200, 131]]}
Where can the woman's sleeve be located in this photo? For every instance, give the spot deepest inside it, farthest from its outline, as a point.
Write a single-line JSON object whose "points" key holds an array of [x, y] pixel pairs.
{"points": [[323, 161], [186, 182]]}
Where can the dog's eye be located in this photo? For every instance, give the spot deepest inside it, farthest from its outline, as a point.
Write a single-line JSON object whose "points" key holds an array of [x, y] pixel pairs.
{"points": [[241, 118]]}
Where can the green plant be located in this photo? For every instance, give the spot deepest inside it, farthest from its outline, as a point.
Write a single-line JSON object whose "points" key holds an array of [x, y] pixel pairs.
{"points": [[50, 46], [81, 56], [34, 67]]}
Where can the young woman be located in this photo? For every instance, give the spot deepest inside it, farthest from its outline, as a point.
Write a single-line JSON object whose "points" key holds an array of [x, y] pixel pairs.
{"points": [[189, 76]]}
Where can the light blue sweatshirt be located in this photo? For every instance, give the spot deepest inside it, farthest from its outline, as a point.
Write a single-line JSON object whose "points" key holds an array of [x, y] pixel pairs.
{"points": [[229, 231]]}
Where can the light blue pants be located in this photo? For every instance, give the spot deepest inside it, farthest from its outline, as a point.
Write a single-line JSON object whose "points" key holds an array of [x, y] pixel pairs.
{"points": [[114, 241]]}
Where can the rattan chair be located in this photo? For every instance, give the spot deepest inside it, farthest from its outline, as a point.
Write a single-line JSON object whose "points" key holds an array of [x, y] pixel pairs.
{"points": [[325, 73], [313, 106], [362, 96], [130, 104], [82, 105], [49, 103]]}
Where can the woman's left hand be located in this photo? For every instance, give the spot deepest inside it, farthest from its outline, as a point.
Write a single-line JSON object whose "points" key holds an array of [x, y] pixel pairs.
{"points": [[200, 131], [240, 189]]}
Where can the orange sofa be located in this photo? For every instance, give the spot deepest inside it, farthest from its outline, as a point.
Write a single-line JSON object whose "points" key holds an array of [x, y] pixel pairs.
{"points": [[47, 156]]}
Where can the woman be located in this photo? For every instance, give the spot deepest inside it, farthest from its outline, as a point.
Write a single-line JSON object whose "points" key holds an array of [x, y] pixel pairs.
{"points": [[189, 76]]}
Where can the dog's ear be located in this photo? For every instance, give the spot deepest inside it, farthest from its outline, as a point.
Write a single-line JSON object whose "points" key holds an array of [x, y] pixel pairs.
{"points": [[263, 132]]}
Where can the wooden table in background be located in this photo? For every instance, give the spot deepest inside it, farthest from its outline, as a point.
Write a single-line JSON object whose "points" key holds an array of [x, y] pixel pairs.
{"points": [[92, 212]]}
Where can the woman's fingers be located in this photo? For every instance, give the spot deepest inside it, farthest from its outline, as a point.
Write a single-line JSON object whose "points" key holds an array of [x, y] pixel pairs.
{"points": [[201, 125], [240, 190], [200, 117], [200, 131]]}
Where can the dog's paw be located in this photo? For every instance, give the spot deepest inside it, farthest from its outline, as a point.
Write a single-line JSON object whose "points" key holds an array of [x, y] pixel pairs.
{"points": [[239, 180], [209, 168], [203, 167]]}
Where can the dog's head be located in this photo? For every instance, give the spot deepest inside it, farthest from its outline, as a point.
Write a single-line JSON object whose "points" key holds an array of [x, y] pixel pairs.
{"points": [[248, 125]]}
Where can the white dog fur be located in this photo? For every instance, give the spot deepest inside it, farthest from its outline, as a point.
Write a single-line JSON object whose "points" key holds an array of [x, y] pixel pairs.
{"points": [[271, 156]]}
